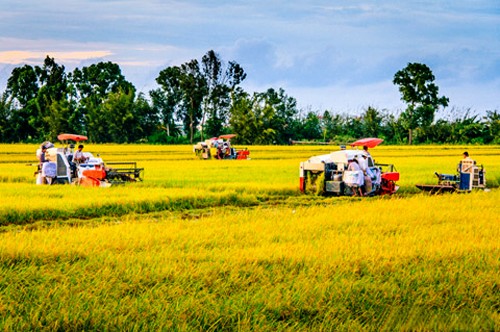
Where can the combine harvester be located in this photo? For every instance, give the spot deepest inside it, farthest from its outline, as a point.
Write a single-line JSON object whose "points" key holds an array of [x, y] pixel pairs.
{"points": [[329, 175], [217, 148], [60, 168], [469, 176]]}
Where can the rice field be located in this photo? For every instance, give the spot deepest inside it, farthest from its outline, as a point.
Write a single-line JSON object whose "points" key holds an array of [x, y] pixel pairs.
{"points": [[233, 245]]}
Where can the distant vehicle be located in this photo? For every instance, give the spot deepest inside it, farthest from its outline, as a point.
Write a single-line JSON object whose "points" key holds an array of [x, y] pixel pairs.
{"points": [[329, 175], [470, 176], [219, 148], [60, 168]]}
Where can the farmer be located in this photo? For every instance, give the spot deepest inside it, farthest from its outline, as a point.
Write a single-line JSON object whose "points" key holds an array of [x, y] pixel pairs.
{"points": [[78, 156], [365, 149], [368, 174], [41, 156], [466, 163], [353, 166]]}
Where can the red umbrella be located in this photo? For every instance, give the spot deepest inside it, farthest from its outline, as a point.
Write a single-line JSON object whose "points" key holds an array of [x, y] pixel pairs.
{"points": [[74, 137], [370, 142]]}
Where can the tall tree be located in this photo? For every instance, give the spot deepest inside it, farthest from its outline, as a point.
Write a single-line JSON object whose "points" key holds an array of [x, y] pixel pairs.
{"points": [[492, 126], [22, 88], [93, 86], [372, 122], [165, 106], [120, 120], [5, 118], [194, 89], [51, 99], [283, 109], [418, 91], [221, 80]]}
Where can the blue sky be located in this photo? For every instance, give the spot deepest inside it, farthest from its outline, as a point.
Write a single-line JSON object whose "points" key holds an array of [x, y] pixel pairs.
{"points": [[330, 55]]}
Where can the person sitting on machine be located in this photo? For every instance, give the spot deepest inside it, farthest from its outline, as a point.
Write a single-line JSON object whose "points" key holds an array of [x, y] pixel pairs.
{"points": [[79, 157]]}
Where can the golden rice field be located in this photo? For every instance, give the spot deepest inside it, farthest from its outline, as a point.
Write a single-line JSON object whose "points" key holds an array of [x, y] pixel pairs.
{"points": [[233, 245]]}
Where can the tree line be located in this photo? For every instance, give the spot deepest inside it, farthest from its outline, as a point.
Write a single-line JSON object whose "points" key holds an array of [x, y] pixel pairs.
{"points": [[203, 99]]}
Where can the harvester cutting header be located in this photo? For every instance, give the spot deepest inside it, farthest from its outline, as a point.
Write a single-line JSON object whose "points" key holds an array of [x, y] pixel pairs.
{"points": [[350, 172], [67, 165]]}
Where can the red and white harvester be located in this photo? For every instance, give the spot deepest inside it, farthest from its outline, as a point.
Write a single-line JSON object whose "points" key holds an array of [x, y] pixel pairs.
{"points": [[219, 148], [59, 167], [328, 174]]}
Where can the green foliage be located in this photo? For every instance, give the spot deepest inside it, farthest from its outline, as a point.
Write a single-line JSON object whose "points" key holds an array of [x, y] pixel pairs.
{"points": [[416, 84], [199, 100]]}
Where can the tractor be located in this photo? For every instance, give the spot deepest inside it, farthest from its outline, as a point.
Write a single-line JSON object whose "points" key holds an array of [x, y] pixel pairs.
{"points": [[329, 175], [470, 176], [219, 148], [60, 168]]}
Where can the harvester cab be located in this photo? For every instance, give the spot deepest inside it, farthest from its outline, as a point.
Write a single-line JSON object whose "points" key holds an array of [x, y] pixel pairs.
{"points": [[60, 168], [330, 174]]}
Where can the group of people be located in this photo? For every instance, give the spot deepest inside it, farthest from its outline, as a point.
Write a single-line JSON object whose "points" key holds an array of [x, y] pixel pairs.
{"points": [[223, 149], [74, 158], [364, 175]]}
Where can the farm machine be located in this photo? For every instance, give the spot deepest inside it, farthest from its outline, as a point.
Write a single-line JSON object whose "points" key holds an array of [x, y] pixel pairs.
{"points": [[60, 168], [219, 148], [330, 174], [469, 176]]}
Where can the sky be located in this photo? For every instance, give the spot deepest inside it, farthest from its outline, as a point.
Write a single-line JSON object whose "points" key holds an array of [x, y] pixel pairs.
{"points": [[333, 55]]}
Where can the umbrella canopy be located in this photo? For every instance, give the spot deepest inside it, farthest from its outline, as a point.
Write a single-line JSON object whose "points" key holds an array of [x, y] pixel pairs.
{"points": [[228, 136], [370, 142], [74, 137]]}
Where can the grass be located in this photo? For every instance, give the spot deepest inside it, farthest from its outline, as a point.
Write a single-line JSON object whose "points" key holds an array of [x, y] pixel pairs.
{"points": [[203, 245]]}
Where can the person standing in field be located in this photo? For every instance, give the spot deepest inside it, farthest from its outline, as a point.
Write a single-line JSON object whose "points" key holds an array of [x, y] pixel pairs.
{"points": [[353, 166]]}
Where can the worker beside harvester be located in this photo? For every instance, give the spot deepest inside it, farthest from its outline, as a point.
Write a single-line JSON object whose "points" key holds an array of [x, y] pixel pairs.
{"points": [[355, 179], [46, 169]]}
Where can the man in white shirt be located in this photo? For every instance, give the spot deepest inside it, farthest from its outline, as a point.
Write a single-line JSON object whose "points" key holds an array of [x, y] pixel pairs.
{"points": [[78, 156]]}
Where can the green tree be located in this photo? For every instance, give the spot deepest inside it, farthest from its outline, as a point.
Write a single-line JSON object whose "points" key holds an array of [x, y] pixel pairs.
{"points": [[185, 89], [311, 127], [165, 105], [5, 118], [221, 81], [281, 112], [372, 122], [418, 91], [243, 120], [492, 127], [120, 120], [93, 85], [147, 119], [194, 89], [51, 100], [22, 88]]}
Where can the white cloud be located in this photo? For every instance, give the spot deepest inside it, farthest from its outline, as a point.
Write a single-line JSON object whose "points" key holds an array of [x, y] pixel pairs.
{"points": [[331, 54]]}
